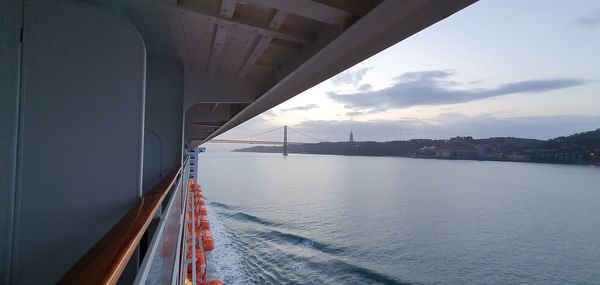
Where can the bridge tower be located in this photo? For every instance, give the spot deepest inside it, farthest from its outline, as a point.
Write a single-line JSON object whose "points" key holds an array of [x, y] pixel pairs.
{"points": [[285, 153]]}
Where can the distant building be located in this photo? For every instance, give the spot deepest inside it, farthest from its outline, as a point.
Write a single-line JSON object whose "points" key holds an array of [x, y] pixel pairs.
{"points": [[445, 152], [351, 136], [518, 157], [456, 152], [481, 150], [572, 155], [465, 153]]}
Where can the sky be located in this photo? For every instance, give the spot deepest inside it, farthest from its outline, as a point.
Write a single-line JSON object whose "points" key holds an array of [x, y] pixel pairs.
{"points": [[497, 68]]}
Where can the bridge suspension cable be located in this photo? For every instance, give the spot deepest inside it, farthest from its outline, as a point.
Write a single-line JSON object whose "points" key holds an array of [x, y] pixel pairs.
{"points": [[251, 138], [258, 134], [305, 135]]}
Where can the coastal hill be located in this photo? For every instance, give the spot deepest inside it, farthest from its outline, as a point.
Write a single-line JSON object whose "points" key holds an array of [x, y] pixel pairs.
{"points": [[580, 148]]}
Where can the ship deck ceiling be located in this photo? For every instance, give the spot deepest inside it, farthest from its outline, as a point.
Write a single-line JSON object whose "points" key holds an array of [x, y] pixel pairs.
{"points": [[253, 39], [255, 54]]}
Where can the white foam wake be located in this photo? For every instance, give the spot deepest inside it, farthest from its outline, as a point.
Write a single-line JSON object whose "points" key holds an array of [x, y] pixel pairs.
{"points": [[224, 261]]}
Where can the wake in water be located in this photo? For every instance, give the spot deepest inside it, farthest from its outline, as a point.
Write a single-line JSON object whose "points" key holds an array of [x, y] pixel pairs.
{"points": [[221, 205], [224, 261], [259, 251], [249, 218]]}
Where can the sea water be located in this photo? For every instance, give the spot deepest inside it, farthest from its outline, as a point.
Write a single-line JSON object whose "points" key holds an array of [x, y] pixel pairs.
{"points": [[319, 219]]}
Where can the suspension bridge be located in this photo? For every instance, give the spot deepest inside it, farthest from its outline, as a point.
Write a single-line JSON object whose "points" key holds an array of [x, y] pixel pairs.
{"points": [[252, 139]]}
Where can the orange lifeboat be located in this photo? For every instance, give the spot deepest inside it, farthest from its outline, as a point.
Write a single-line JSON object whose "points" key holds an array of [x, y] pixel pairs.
{"points": [[200, 263], [204, 222], [207, 240], [188, 254], [204, 218], [201, 234]]}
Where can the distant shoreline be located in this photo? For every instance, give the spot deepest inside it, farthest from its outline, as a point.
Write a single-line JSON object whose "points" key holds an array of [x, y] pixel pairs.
{"points": [[577, 149], [426, 158]]}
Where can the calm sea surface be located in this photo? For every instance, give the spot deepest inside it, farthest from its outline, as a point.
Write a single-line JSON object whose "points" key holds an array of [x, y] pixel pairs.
{"points": [[317, 219]]}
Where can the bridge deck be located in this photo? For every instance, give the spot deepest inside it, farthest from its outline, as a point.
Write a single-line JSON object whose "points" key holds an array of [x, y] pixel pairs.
{"points": [[249, 141]]}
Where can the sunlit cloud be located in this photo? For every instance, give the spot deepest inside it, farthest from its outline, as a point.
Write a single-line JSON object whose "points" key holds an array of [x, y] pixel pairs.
{"points": [[350, 77], [355, 113], [437, 87], [301, 108], [365, 87], [269, 113]]}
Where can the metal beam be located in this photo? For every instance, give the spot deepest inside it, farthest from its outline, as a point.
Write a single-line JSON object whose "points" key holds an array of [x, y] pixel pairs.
{"points": [[258, 50], [278, 20], [217, 47], [267, 65], [227, 8], [200, 114], [220, 38], [309, 9], [200, 132], [206, 125], [205, 87], [241, 25], [262, 44]]}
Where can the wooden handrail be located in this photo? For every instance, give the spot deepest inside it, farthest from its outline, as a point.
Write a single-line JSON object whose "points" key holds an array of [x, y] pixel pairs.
{"points": [[106, 260]]}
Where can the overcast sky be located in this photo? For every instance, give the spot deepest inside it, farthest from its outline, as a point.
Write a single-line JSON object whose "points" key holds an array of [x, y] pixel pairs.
{"points": [[497, 68]]}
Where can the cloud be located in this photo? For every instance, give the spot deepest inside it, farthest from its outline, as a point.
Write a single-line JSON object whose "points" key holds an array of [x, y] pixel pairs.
{"points": [[269, 113], [355, 113], [451, 125], [590, 21], [350, 77], [301, 108], [365, 87], [424, 75], [434, 88], [358, 112]]}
